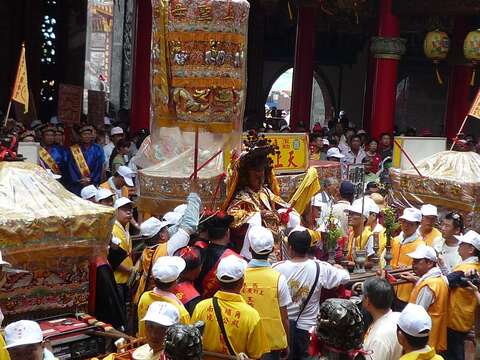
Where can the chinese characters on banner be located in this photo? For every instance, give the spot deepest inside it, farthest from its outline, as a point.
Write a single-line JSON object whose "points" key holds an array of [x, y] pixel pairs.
{"points": [[293, 156], [475, 109], [96, 107], [70, 103], [356, 175]]}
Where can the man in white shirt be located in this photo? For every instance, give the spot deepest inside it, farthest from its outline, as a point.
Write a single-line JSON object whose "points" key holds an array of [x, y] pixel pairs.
{"points": [[322, 202], [447, 245], [305, 278], [354, 154], [381, 337], [347, 192]]}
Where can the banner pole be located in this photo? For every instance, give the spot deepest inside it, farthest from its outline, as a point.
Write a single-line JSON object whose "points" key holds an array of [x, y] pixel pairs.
{"points": [[459, 132], [8, 113]]}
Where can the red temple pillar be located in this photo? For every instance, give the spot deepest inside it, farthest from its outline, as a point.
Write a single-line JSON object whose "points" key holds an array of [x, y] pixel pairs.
{"points": [[303, 68], [458, 98], [387, 49], [140, 114]]}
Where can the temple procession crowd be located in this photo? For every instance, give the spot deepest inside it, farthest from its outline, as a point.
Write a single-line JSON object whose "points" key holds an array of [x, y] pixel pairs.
{"points": [[253, 274]]}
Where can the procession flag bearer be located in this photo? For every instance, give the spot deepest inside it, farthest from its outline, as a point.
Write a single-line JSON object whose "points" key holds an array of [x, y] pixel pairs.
{"points": [[431, 292], [462, 302], [232, 326], [266, 290]]}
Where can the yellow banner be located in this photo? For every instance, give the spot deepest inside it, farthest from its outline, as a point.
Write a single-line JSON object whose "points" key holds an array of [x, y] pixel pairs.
{"points": [[20, 88], [293, 156], [475, 109]]}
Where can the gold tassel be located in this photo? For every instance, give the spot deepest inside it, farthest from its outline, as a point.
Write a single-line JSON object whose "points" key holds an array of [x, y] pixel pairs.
{"points": [[472, 80], [290, 12], [439, 78]]}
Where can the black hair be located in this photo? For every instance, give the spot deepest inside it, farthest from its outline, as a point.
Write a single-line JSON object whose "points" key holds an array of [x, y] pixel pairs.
{"points": [[300, 241], [120, 144], [457, 220], [192, 256], [371, 184], [385, 133], [259, 256], [164, 286], [230, 285], [416, 343], [216, 233], [379, 292], [355, 137]]}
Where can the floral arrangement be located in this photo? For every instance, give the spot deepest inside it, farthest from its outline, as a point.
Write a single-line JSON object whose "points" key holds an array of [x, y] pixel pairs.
{"points": [[334, 232], [390, 222]]}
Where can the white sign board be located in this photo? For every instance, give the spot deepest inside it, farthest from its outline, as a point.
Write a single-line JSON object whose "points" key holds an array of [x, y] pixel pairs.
{"points": [[417, 148], [29, 150]]}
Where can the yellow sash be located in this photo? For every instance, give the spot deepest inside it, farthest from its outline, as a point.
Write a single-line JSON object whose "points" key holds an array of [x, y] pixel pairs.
{"points": [[49, 160], [80, 160]]}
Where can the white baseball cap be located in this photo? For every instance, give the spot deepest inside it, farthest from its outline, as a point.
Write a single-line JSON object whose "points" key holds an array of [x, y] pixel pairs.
{"points": [[334, 152], [117, 130], [357, 208], [172, 217], [152, 227], [412, 215], [168, 268], [293, 218], [232, 267], [88, 192], [260, 239], [102, 194], [53, 175], [107, 121], [3, 262], [471, 237], [121, 202], [424, 252], [429, 210], [415, 321], [162, 313], [299, 228], [369, 206], [180, 209], [23, 332], [326, 142], [127, 174]]}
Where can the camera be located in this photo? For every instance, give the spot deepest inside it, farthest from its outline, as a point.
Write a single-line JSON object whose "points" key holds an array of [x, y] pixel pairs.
{"points": [[474, 279]]}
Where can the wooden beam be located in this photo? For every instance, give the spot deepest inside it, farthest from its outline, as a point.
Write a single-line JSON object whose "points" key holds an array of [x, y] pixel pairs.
{"points": [[435, 7]]}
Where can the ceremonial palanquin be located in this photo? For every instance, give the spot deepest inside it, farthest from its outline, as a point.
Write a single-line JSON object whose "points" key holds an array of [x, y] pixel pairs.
{"points": [[51, 234], [450, 180], [198, 68]]}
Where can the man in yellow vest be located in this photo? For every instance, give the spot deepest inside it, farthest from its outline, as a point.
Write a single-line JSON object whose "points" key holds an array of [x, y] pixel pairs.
{"points": [[232, 327], [123, 208], [360, 236], [427, 228], [266, 290], [408, 240], [165, 272], [462, 302], [119, 183], [430, 292], [413, 331]]}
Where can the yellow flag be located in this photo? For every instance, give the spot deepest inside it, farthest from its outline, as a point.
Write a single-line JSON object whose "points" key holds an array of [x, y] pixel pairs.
{"points": [[20, 89], [475, 109]]}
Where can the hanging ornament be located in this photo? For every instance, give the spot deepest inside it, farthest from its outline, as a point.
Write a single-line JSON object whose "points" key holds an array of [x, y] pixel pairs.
{"points": [[471, 50], [436, 46]]}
